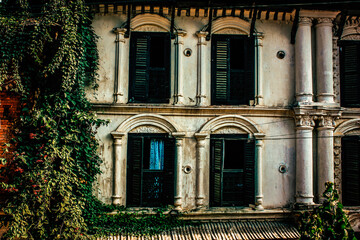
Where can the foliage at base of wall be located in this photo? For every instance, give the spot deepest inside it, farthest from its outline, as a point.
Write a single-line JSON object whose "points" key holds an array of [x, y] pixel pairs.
{"points": [[120, 221], [328, 221]]}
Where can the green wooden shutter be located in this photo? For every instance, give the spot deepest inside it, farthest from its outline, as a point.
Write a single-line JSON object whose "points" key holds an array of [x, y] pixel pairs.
{"points": [[220, 71], [217, 171], [249, 173], [139, 68], [169, 161], [350, 171], [134, 174], [350, 76]]}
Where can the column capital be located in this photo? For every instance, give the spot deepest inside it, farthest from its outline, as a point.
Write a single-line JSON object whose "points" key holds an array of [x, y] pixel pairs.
{"points": [[259, 136], [306, 21], [117, 135], [201, 34], [119, 31], [181, 33], [201, 136], [325, 21], [327, 122], [305, 121], [178, 135]]}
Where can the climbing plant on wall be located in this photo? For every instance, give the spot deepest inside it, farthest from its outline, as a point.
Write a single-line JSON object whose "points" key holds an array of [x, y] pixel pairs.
{"points": [[48, 55]]}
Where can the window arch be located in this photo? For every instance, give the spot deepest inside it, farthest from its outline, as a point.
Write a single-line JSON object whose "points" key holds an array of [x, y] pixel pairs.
{"points": [[145, 154], [347, 161], [235, 144]]}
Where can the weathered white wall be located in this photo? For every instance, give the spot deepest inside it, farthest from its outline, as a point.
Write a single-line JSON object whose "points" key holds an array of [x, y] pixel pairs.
{"points": [[278, 90], [279, 82]]}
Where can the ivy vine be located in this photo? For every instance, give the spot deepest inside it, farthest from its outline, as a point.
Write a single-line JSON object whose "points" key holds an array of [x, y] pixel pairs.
{"points": [[48, 56]]}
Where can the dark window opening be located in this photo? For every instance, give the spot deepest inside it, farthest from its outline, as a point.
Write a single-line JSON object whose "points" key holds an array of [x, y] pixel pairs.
{"points": [[350, 158], [150, 170], [149, 67], [350, 73], [232, 69], [232, 170]]}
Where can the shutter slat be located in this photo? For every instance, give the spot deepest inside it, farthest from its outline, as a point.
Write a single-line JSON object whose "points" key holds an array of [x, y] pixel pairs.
{"points": [[249, 179], [350, 76], [169, 162], [221, 68], [141, 65], [217, 146], [350, 170], [134, 175]]}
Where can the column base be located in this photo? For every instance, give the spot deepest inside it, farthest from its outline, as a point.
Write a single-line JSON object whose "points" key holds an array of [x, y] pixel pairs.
{"points": [[200, 203], [178, 203], [116, 200]]}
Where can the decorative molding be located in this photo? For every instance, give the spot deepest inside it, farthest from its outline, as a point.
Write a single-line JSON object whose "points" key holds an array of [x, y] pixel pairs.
{"points": [[324, 21], [229, 121], [305, 121], [348, 126], [305, 21], [327, 121], [351, 31], [147, 129], [231, 31], [150, 121], [229, 25], [230, 130], [336, 70], [150, 23]]}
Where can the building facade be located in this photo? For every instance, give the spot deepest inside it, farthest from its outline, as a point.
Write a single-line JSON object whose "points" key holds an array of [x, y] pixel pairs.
{"points": [[210, 107]]}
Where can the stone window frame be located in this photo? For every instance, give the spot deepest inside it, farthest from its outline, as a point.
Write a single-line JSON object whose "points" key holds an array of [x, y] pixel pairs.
{"points": [[227, 124], [144, 123], [346, 128], [148, 22], [229, 26]]}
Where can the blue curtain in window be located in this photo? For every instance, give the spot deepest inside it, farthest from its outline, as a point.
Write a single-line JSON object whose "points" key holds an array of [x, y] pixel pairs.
{"points": [[156, 154]]}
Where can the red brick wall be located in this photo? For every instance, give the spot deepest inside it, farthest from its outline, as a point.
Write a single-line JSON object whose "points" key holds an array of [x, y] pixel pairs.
{"points": [[9, 111]]}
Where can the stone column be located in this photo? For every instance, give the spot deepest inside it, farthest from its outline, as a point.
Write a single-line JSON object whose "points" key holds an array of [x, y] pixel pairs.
{"points": [[178, 170], [325, 153], [304, 160], [119, 60], [118, 197], [200, 95], [200, 169], [259, 172], [324, 60], [303, 65], [259, 72], [179, 95]]}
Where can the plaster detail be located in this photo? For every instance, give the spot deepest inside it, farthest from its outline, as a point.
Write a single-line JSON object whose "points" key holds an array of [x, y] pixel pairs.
{"points": [[150, 23], [147, 129], [229, 121], [305, 121], [154, 120], [336, 70], [305, 20], [230, 130], [327, 121], [324, 21], [230, 25]]}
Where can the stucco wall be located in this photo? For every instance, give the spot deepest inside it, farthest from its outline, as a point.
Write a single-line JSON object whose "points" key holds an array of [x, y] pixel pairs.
{"points": [[273, 119]]}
